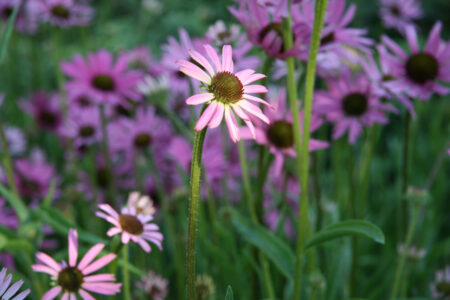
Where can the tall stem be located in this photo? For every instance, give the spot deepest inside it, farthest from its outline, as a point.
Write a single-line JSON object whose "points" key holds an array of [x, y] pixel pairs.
{"points": [[352, 209], [302, 148], [365, 168], [193, 210], [405, 173], [254, 217], [106, 157], [7, 161], [401, 263], [126, 274]]}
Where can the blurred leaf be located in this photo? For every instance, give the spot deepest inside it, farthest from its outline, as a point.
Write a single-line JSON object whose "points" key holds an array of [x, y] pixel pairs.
{"points": [[48, 198], [229, 295], [272, 247], [7, 32], [346, 228], [16, 203], [10, 244]]}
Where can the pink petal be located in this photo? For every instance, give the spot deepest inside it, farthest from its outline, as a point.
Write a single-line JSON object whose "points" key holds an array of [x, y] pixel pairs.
{"points": [[227, 58], [244, 74], [98, 264], [253, 109], [73, 247], [411, 36], [102, 288], [44, 258], [253, 78], [199, 99], [233, 129], [44, 269], [257, 99], [206, 116], [202, 61], [193, 71], [52, 293], [113, 231], [214, 57], [434, 39], [144, 245], [256, 88], [125, 237], [90, 255], [107, 208], [85, 295], [216, 119], [99, 277]]}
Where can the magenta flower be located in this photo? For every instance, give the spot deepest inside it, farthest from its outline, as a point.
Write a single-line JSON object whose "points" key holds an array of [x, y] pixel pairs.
{"points": [[226, 91], [421, 72], [278, 136], [27, 16], [132, 226], [6, 291], [399, 13], [350, 104], [46, 110], [154, 286], [440, 289], [74, 279], [65, 13], [83, 126], [101, 79]]}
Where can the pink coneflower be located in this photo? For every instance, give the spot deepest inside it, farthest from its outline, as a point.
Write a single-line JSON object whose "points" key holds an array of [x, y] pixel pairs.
{"points": [[140, 58], [141, 203], [132, 226], [101, 78], [264, 27], [65, 13], [421, 72], [27, 16], [6, 291], [74, 279], [278, 136], [351, 104], [83, 126], [226, 91], [440, 289], [46, 110], [399, 13], [154, 286]]}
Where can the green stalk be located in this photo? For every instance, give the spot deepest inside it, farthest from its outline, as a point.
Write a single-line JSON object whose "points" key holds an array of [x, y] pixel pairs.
{"points": [[302, 148], [352, 210], [106, 156], [254, 217], [126, 274], [196, 164], [6, 34], [7, 161], [405, 173], [402, 261]]}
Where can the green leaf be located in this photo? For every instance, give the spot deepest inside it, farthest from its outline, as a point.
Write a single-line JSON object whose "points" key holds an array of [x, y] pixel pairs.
{"points": [[16, 203], [229, 295], [48, 198], [346, 228], [272, 247], [7, 32]]}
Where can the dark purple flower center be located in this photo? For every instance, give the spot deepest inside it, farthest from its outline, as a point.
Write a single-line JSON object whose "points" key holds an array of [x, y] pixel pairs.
{"points": [[142, 140], [103, 177], [395, 10], [155, 291], [226, 87], [86, 131], [329, 38], [422, 67], [7, 11], [355, 104], [104, 83], [131, 224], [70, 279], [272, 27], [224, 36], [443, 288], [280, 134], [60, 11], [84, 101], [387, 77], [48, 119]]}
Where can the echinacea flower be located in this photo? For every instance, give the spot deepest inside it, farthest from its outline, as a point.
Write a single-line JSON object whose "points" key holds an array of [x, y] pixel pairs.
{"points": [[350, 105], [65, 13], [83, 126], [399, 13], [102, 79], [225, 91], [27, 16], [204, 287], [74, 278], [154, 286], [132, 226], [7, 292], [46, 110], [440, 289], [278, 136], [420, 72], [142, 204]]}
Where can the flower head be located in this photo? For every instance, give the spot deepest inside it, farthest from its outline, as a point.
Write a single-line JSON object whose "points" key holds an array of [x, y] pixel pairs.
{"points": [[45, 108], [7, 291], [132, 226], [225, 91], [102, 79], [440, 289], [420, 72], [74, 278], [155, 287], [204, 286], [142, 204], [399, 13], [351, 104], [83, 126], [65, 13]]}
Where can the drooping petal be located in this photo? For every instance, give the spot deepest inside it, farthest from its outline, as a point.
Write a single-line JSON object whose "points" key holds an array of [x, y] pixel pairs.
{"points": [[52, 293], [199, 98], [233, 129], [216, 119], [90, 256], [202, 61], [214, 57], [206, 116]]}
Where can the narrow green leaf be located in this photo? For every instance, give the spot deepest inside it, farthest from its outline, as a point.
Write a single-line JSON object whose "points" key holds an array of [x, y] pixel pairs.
{"points": [[16, 203], [346, 228], [229, 295], [273, 247], [7, 32], [48, 198]]}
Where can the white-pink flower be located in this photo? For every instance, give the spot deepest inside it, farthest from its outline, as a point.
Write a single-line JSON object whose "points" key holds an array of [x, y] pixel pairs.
{"points": [[226, 93], [74, 279]]}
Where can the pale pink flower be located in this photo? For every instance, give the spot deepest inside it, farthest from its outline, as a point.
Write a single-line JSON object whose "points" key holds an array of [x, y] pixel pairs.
{"points": [[74, 279], [225, 91], [7, 291]]}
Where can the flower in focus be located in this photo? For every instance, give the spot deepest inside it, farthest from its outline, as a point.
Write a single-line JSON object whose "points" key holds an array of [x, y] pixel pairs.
{"points": [[154, 286], [46, 110], [141, 203], [350, 104], [74, 279], [421, 72], [226, 91], [132, 226], [440, 289], [7, 291], [102, 79], [204, 287], [65, 13], [278, 136], [399, 13]]}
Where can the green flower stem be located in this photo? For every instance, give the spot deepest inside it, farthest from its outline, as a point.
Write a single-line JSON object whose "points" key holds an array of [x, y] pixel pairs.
{"points": [[106, 156], [352, 210], [6, 34], [401, 264], [405, 173], [254, 217], [196, 164], [302, 147], [126, 274], [7, 161]]}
